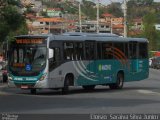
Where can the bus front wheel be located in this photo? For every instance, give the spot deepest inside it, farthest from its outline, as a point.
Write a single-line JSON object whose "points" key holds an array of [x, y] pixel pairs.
{"points": [[65, 89], [119, 82], [33, 91]]}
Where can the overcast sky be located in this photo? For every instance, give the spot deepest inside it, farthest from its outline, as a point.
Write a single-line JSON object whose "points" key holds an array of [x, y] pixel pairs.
{"points": [[109, 1]]}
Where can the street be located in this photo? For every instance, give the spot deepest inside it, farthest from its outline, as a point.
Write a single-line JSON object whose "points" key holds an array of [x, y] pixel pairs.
{"points": [[135, 97]]}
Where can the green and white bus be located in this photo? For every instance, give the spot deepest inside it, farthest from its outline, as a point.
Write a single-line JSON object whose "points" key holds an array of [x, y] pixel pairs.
{"points": [[76, 59]]}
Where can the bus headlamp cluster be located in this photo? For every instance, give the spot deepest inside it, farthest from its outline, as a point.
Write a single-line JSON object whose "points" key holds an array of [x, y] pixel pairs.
{"points": [[43, 77]]}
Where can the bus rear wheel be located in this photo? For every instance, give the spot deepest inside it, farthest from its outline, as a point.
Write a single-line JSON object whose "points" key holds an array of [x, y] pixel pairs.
{"points": [[88, 87], [119, 82]]}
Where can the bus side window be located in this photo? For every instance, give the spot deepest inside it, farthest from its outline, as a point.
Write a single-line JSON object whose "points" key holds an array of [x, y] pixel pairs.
{"points": [[126, 50], [133, 50], [68, 51], [142, 50], [78, 51], [107, 52], [90, 50], [53, 62], [99, 50], [119, 50]]}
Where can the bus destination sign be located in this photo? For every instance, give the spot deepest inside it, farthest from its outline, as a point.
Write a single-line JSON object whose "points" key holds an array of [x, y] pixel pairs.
{"points": [[30, 41]]}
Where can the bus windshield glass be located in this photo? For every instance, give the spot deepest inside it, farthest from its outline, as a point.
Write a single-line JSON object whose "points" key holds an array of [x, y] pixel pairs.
{"points": [[27, 59]]}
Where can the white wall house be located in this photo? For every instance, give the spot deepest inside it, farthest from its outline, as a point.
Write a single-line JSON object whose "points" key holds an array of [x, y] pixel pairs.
{"points": [[157, 26]]}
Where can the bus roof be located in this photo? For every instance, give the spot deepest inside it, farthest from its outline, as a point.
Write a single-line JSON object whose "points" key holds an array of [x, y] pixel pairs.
{"points": [[96, 37], [77, 36]]}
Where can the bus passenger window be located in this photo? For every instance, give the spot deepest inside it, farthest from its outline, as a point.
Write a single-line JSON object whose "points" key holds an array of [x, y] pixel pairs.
{"points": [[107, 52], [78, 51], [99, 50], [119, 50], [90, 50], [68, 51], [142, 50], [133, 50]]}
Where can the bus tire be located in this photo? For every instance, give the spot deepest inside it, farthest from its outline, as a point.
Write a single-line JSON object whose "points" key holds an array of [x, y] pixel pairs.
{"points": [[88, 87], [119, 82], [33, 91], [65, 89], [5, 78]]}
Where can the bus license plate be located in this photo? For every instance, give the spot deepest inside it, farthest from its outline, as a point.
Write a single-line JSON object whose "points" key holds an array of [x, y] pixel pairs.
{"points": [[24, 86]]}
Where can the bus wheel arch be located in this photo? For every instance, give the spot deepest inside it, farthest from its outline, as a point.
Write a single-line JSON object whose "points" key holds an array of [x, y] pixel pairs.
{"points": [[119, 81], [68, 81], [70, 78]]}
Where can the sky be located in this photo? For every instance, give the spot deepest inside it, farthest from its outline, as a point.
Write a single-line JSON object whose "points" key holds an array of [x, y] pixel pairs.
{"points": [[109, 1]]}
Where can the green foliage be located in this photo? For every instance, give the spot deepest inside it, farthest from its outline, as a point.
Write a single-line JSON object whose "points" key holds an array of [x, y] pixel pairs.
{"points": [[12, 17], [88, 9], [150, 31], [140, 2], [3, 30], [11, 21], [115, 9]]}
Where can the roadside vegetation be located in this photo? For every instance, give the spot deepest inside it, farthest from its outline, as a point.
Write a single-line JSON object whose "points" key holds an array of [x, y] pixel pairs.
{"points": [[12, 21]]}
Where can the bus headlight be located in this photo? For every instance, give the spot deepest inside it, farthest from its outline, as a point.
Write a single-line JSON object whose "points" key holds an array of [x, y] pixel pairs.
{"points": [[43, 77]]}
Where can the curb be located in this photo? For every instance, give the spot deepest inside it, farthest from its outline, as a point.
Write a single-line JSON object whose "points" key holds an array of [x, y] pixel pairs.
{"points": [[2, 85]]}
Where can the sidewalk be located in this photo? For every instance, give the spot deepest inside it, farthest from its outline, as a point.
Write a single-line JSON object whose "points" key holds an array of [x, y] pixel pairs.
{"points": [[2, 85]]}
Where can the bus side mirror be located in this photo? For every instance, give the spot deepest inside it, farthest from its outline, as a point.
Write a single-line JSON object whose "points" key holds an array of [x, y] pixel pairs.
{"points": [[50, 53], [0, 67]]}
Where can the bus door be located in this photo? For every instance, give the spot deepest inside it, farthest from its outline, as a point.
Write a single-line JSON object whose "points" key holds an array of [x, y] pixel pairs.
{"points": [[90, 52], [133, 55], [55, 60]]}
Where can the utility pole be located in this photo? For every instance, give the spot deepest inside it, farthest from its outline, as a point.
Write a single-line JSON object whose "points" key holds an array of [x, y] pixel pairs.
{"points": [[111, 27], [98, 16], [80, 21], [49, 29], [125, 18]]}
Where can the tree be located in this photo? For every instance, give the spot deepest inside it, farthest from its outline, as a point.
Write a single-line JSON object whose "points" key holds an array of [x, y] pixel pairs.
{"points": [[150, 31], [115, 9], [11, 21]]}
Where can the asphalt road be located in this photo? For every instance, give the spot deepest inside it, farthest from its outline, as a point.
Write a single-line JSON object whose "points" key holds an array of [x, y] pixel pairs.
{"points": [[136, 97]]}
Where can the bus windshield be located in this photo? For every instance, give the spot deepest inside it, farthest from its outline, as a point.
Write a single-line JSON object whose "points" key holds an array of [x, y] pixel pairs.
{"points": [[27, 59]]}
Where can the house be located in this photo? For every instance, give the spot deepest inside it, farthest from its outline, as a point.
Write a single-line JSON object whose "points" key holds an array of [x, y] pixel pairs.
{"points": [[157, 26], [137, 24], [35, 5], [136, 27], [91, 27], [48, 25], [117, 21], [118, 29], [106, 17], [27, 2], [54, 12]]}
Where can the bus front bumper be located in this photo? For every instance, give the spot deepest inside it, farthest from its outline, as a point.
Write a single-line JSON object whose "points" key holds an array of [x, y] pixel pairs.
{"points": [[24, 85]]}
